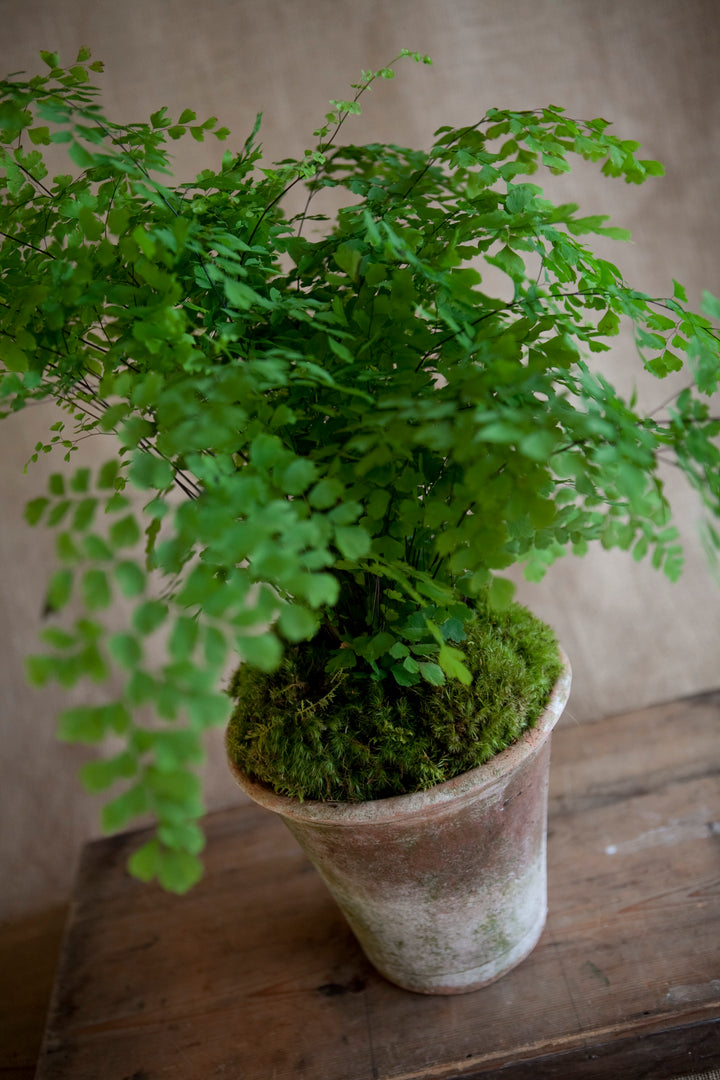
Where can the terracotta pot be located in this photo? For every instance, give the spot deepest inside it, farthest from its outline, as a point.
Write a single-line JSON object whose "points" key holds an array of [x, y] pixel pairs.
{"points": [[445, 889]]}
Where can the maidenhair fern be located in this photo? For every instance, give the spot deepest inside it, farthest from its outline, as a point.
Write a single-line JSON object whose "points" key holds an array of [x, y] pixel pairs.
{"points": [[347, 434]]}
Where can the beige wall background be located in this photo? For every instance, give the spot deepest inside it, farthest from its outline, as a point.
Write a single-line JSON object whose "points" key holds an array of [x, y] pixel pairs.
{"points": [[649, 66]]}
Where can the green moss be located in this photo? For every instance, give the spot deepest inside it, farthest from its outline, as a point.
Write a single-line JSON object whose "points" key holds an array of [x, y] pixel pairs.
{"points": [[347, 738]]}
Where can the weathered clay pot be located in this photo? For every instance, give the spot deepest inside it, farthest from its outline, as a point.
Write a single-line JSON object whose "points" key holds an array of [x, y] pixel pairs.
{"points": [[445, 889]]}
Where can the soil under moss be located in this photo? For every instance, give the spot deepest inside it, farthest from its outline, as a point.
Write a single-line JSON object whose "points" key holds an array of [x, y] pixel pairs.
{"points": [[348, 738]]}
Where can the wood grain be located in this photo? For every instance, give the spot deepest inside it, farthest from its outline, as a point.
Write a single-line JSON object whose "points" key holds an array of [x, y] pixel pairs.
{"points": [[255, 974]]}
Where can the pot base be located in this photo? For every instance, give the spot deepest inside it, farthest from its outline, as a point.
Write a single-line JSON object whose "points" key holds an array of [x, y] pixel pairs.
{"points": [[465, 982]]}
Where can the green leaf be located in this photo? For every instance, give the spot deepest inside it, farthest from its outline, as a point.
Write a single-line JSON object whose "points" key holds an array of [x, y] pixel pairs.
{"points": [[58, 638], [118, 220], [325, 494], [35, 509], [615, 233], [92, 227], [83, 723], [141, 688], [173, 789], [182, 836], [97, 776], [321, 589], [501, 431], [84, 514], [59, 590], [151, 534], [131, 804], [80, 156], [183, 638], [108, 474], [159, 118], [348, 258], [432, 673], [130, 577], [263, 652], [125, 650], [509, 261], [96, 590], [352, 541], [297, 623], [298, 476], [178, 871], [453, 629], [132, 431], [58, 512], [664, 363], [267, 451], [66, 549], [452, 663], [149, 616], [40, 136], [209, 710], [240, 296], [41, 669], [125, 532], [96, 548], [679, 291], [538, 445], [501, 593], [215, 647], [174, 749], [343, 660], [378, 646], [403, 677], [609, 325], [145, 862], [641, 549], [12, 356], [710, 305], [148, 471]]}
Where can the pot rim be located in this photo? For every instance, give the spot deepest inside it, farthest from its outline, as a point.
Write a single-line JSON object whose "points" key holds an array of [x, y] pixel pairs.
{"points": [[466, 785]]}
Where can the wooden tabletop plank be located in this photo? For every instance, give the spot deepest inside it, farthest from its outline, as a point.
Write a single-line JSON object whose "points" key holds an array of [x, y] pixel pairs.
{"points": [[255, 975], [29, 949]]}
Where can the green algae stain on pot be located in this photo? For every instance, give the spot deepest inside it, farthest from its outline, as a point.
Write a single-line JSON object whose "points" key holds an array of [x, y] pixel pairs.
{"points": [[492, 934]]}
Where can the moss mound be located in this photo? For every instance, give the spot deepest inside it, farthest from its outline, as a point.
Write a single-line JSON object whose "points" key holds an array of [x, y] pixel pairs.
{"points": [[347, 738]]}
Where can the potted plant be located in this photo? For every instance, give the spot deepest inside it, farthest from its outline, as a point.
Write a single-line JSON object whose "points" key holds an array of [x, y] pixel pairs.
{"points": [[331, 439]]}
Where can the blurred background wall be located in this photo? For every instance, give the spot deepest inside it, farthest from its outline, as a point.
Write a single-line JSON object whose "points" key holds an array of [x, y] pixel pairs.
{"points": [[649, 66]]}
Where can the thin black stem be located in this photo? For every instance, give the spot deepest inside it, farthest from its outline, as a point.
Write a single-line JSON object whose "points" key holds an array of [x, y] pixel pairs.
{"points": [[34, 179], [27, 244], [321, 149]]}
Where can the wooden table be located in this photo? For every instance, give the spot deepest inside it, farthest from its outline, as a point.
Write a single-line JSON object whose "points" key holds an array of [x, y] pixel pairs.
{"points": [[255, 976]]}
